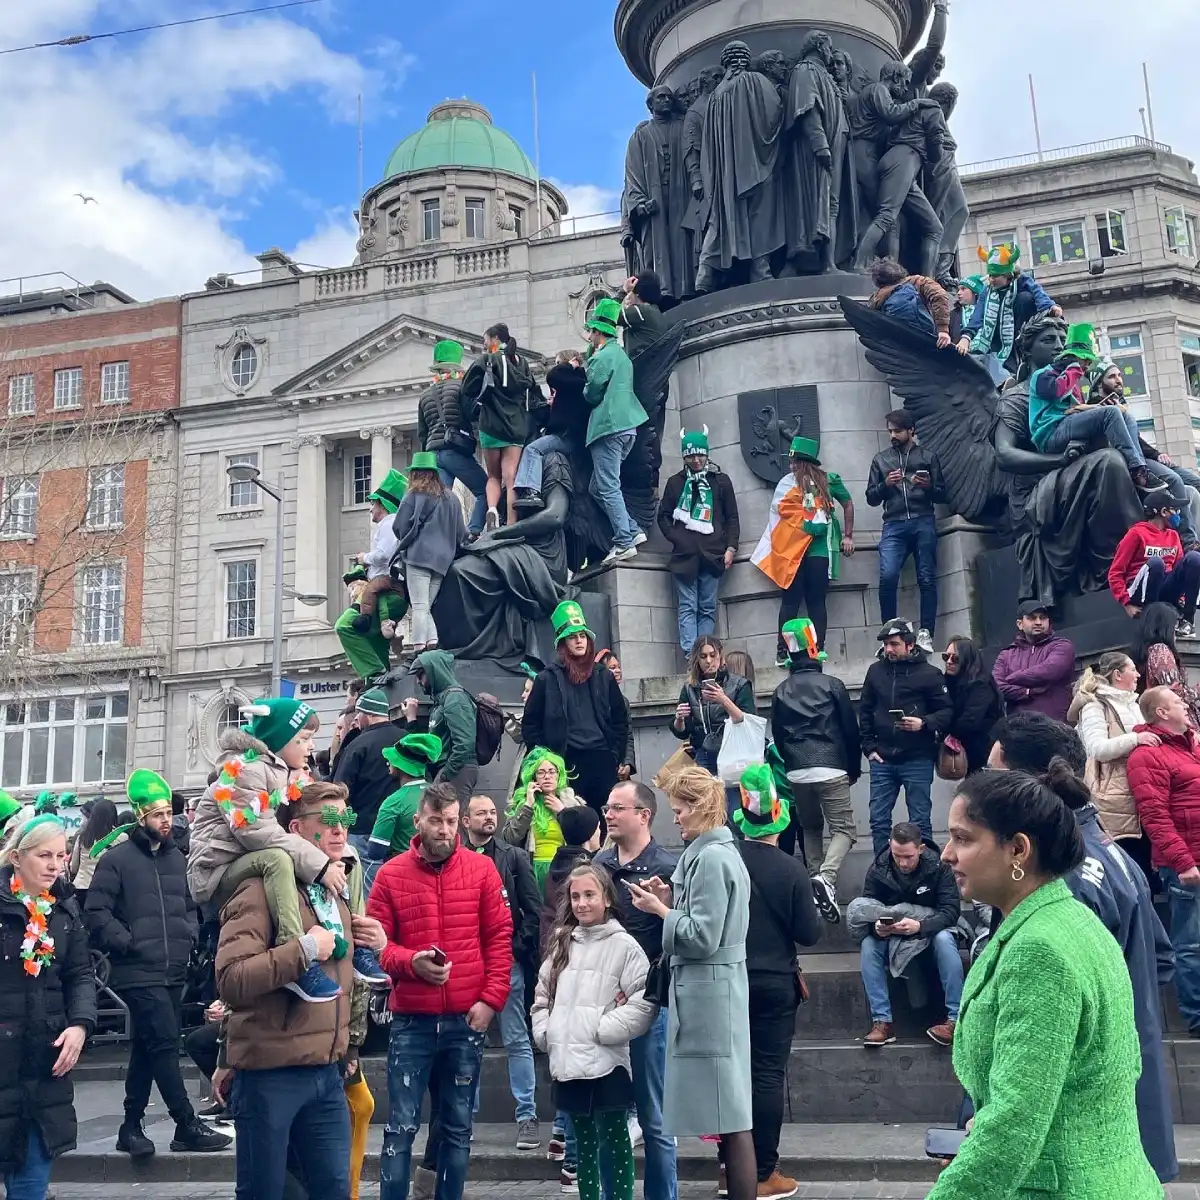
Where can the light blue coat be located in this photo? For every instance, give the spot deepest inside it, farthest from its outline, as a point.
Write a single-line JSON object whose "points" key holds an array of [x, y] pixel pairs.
{"points": [[708, 1027]]}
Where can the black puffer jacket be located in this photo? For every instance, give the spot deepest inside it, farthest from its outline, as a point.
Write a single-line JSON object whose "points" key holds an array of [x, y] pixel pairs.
{"points": [[813, 722], [705, 724], [34, 1010], [914, 687], [438, 410], [930, 884], [140, 913]]}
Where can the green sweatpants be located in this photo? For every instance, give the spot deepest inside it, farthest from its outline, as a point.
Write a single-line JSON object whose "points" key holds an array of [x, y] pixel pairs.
{"points": [[369, 652]]}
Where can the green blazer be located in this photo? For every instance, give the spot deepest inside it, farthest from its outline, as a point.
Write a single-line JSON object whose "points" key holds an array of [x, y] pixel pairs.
{"points": [[609, 392], [1047, 1049]]}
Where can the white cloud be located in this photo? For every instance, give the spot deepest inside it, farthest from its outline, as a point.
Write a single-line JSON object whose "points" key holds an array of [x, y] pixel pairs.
{"points": [[589, 206], [142, 125], [331, 244]]}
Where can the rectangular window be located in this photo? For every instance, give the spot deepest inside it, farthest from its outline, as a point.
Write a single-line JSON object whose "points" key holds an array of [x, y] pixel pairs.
{"points": [[1006, 237], [1181, 232], [360, 483], [16, 605], [1110, 230], [243, 495], [20, 396], [1190, 345], [18, 507], [1126, 351], [114, 383], [241, 598], [518, 220], [474, 218], [106, 497], [40, 739], [1059, 243], [68, 387], [103, 605], [431, 220]]}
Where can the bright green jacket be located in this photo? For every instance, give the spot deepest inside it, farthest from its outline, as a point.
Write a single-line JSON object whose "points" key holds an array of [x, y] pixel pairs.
{"points": [[1046, 1047], [609, 392]]}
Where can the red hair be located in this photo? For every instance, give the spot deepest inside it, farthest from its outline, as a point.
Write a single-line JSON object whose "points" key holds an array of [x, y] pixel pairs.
{"points": [[579, 670]]}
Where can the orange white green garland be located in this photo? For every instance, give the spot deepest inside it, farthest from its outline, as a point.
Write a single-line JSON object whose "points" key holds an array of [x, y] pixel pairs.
{"points": [[38, 947], [241, 807]]}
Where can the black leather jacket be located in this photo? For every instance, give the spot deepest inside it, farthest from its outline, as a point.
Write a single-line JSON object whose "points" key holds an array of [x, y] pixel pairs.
{"points": [[705, 724], [906, 500], [813, 722]]}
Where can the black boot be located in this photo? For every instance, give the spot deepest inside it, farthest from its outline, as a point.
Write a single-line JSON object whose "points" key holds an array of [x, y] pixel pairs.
{"points": [[199, 1138], [132, 1140]]}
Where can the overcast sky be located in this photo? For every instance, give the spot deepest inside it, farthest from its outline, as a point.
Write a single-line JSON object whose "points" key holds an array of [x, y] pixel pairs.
{"points": [[207, 144]]}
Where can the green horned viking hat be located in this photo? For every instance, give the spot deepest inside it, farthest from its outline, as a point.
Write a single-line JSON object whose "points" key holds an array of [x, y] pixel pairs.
{"points": [[390, 491], [762, 811], [604, 317], [806, 449], [1000, 260], [694, 441], [414, 754], [447, 354], [567, 619]]}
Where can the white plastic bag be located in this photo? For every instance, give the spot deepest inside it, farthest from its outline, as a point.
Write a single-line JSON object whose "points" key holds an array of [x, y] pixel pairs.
{"points": [[742, 744]]}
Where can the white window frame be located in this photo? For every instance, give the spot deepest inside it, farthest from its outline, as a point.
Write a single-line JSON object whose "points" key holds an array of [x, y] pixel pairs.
{"points": [[431, 206], [256, 365], [114, 382], [1172, 217], [1118, 355], [1056, 229], [228, 458], [104, 588], [16, 608], [1104, 224], [1006, 237], [22, 395], [1190, 358], [350, 461], [78, 724], [518, 217], [105, 497], [475, 205], [227, 557], [68, 388], [12, 529]]}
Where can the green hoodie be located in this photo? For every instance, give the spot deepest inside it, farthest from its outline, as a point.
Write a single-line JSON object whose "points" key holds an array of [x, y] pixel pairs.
{"points": [[453, 715]]}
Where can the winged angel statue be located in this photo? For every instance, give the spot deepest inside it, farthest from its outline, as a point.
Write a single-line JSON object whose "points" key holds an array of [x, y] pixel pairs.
{"points": [[1065, 512]]}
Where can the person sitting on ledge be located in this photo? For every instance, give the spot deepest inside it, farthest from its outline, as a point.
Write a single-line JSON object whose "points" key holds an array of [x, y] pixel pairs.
{"points": [[919, 302], [563, 420], [385, 500], [1150, 564], [1058, 415]]}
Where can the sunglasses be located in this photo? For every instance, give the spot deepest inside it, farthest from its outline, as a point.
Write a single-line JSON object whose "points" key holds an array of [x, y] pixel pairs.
{"points": [[334, 816], [949, 658]]}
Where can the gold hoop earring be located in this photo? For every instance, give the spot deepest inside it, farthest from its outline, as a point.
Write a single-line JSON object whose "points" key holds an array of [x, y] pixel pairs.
{"points": [[1018, 872]]}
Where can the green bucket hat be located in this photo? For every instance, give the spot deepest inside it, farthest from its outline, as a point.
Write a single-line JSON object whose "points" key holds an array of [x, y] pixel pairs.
{"points": [[146, 790], [424, 460], [567, 619], [806, 449], [447, 354], [762, 810], [275, 720], [693, 441], [414, 754], [390, 491], [800, 637], [1081, 343], [374, 702], [604, 317]]}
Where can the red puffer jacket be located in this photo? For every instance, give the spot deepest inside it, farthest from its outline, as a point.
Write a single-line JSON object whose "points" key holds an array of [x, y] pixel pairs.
{"points": [[1165, 781], [461, 908]]}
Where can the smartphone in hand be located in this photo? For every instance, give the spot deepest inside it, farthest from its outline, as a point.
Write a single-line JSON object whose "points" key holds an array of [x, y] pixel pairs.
{"points": [[439, 956]]}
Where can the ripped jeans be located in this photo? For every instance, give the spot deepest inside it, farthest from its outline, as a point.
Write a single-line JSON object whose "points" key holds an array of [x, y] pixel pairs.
{"points": [[421, 1048]]}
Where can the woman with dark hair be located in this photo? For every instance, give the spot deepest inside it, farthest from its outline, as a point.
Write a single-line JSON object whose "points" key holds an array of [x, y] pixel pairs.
{"points": [[628, 764], [496, 387], [1046, 1044], [1153, 651], [977, 703], [100, 823], [712, 696]]}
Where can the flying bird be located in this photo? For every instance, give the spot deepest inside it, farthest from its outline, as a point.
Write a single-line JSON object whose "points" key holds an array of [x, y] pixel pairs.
{"points": [[87, 199]]}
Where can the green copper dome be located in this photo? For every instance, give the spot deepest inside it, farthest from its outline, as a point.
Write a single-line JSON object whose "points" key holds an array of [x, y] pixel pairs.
{"points": [[459, 134]]}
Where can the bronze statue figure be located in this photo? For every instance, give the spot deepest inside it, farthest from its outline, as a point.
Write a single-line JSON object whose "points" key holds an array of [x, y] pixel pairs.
{"points": [[703, 87], [944, 188]]}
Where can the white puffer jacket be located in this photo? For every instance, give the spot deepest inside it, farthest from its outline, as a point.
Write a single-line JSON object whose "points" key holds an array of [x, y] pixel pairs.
{"points": [[1106, 724], [586, 1033]]}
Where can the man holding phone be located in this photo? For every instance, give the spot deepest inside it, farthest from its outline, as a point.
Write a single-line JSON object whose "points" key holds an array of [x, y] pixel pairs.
{"points": [[906, 480]]}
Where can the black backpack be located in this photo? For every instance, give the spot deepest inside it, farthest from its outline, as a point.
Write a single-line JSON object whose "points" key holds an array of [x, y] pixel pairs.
{"points": [[489, 726]]}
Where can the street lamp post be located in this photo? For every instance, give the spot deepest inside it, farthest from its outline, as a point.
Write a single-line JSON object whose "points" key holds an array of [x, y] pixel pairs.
{"points": [[246, 473]]}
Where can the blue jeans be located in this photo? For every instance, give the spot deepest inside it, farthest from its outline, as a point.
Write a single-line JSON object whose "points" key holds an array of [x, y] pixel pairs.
{"points": [[697, 607], [648, 1057], [529, 473], [887, 778], [29, 1182], [916, 536], [303, 1106], [873, 956], [421, 1046], [608, 453], [1105, 421], [1184, 909], [454, 464], [515, 1035]]}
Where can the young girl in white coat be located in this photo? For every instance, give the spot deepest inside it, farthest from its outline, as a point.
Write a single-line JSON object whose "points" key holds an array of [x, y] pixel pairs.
{"points": [[589, 1005]]}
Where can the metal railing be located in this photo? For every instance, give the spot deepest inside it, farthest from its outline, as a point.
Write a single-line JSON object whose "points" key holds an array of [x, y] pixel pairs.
{"points": [[568, 226], [1135, 142], [23, 291]]}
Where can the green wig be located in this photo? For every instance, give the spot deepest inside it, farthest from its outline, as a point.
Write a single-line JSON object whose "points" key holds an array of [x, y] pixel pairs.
{"points": [[542, 816]]}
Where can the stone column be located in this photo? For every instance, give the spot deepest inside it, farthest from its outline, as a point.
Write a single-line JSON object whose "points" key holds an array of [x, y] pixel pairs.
{"points": [[380, 437], [312, 531]]}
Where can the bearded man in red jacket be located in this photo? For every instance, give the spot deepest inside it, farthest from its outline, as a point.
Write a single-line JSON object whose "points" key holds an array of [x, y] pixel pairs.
{"points": [[449, 954]]}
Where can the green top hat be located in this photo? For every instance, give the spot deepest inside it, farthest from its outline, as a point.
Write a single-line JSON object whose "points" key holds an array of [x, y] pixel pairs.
{"points": [[447, 354], [390, 491], [414, 754], [800, 637], [1081, 343], [693, 442], [567, 619], [146, 790], [9, 807], [276, 720], [604, 317], [424, 460], [806, 449], [762, 810]]}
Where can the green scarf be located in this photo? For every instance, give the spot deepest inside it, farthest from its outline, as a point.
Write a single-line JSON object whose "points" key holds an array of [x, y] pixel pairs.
{"points": [[325, 906], [999, 310], [696, 513]]}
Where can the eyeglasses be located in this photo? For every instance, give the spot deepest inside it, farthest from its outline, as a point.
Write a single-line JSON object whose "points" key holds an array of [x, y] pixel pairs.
{"points": [[619, 808], [949, 658]]}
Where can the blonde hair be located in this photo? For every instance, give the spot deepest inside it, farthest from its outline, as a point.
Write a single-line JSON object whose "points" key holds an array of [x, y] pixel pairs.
{"points": [[1101, 671], [27, 831], [703, 793]]}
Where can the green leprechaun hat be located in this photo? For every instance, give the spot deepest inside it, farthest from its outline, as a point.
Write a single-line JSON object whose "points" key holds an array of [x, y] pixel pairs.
{"points": [[414, 754], [806, 449], [604, 317], [146, 790], [762, 810], [567, 619], [390, 491], [446, 355], [800, 637], [1081, 343], [424, 460], [693, 441]]}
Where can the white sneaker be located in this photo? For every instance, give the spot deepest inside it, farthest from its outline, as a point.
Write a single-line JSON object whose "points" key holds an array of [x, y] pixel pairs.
{"points": [[925, 640], [618, 554], [388, 629], [635, 1132], [640, 538], [492, 521]]}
